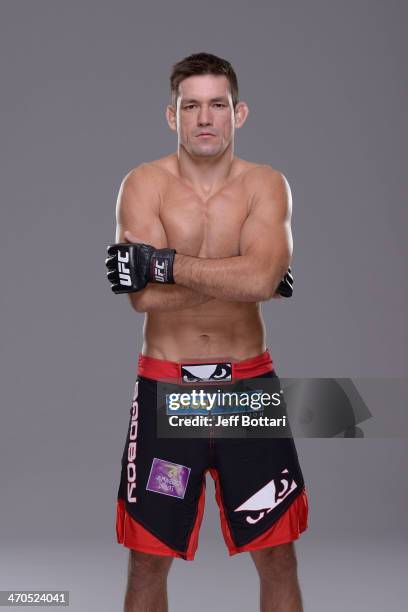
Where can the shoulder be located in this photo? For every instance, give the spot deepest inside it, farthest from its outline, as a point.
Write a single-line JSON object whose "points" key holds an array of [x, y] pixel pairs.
{"points": [[265, 179], [143, 175], [139, 192], [145, 181], [259, 177], [270, 188], [164, 167], [265, 176]]}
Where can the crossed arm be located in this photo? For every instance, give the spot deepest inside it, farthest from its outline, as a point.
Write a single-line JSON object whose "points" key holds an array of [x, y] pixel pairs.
{"points": [[252, 276], [137, 220]]}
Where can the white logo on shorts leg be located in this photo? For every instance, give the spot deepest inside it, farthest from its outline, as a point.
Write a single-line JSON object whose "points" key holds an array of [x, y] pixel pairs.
{"points": [[131, 466], [267, 498]]}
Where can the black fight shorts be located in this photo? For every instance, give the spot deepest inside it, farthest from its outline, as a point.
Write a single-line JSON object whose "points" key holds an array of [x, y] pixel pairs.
{"points": [[259, 486]]}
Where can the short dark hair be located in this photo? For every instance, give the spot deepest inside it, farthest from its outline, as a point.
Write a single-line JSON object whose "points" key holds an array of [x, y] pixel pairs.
{"points": [[202, 63]]}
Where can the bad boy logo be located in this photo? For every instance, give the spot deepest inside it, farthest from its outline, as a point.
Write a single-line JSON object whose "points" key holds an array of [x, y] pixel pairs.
{"points": [[268, 498], [205, 372]]}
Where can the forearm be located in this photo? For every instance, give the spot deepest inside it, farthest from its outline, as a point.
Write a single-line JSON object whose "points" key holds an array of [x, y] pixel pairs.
{"points": [[237, 278], [156, 297]]}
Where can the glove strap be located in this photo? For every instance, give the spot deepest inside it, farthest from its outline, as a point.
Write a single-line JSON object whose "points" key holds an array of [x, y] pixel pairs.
{"points": [[161, 266]]}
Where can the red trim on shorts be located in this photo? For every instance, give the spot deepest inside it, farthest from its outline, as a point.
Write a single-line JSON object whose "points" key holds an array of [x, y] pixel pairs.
{"points": [[287, 528], [133, 535], [224, 523], [161, 369], [193, 541]]}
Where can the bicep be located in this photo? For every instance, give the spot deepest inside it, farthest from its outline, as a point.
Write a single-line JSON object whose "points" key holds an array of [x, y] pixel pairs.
{"points": [[137, 209], [266, 234]]}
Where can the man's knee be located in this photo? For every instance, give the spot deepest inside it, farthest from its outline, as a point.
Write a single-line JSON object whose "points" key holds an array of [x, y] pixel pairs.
{"points": [[276, 561], [145, 568]]}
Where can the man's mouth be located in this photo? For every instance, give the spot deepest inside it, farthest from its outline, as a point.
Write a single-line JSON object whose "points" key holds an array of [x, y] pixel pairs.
{"points": [[205, 135]]}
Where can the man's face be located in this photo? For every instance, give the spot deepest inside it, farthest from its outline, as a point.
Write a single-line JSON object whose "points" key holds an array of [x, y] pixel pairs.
{"points": [[204, 120]]}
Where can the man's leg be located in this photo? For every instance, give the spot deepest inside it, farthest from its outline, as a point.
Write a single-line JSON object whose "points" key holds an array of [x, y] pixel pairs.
{"points": [[147, 582], [277, 569]]}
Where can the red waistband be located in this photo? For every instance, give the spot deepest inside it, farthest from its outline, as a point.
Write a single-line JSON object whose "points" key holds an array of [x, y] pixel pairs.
{"points": [[161, 369]]}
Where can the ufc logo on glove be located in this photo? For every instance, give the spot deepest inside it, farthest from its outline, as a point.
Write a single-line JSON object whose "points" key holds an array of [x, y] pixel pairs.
{"points": [[132, 266]]}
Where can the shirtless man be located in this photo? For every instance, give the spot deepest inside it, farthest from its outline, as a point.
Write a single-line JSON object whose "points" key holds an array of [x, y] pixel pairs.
{"points": [[219, 243]]}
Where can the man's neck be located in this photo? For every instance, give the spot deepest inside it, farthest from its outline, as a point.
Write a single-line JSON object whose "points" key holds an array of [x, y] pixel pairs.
{"points": [[205, 174]]}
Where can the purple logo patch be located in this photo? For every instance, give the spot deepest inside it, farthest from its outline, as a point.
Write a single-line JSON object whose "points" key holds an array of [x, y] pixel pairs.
{"points": [[168, 478]]}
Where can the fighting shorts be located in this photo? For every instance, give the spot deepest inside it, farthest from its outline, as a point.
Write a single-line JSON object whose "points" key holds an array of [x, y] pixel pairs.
{"points": [[259, 485]]}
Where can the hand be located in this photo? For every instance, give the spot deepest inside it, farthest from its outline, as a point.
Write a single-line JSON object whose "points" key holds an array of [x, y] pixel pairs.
{"points": [[132, 265], [285, 287]]}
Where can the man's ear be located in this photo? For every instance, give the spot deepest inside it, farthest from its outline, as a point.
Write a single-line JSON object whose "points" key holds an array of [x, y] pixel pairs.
{"points": [[241, 113], [171, 116]]}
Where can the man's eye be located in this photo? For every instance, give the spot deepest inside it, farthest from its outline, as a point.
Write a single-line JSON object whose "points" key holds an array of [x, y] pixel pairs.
{"points": [[190, 106], [219, 105]]}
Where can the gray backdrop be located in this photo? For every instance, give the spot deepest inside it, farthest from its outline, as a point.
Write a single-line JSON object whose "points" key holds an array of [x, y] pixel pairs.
{"points": [[84, 87]]}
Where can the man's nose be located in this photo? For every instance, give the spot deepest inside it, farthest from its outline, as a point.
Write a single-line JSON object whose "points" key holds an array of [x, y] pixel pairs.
{"points": [[204, 116]]}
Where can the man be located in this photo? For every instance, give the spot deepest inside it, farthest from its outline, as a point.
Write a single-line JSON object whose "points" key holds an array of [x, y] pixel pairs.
{"points": [[202, 238]]}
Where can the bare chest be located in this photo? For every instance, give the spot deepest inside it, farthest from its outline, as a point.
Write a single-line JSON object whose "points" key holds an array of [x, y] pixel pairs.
{"points": [[204, 227]]}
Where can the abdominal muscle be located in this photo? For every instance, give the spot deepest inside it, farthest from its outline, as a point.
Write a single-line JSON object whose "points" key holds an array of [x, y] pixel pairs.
{"points": [[216, 329]]}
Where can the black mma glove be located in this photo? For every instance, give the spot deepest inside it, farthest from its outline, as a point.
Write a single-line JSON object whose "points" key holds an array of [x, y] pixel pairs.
{"points": [[285, 287], [132, 266]]}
